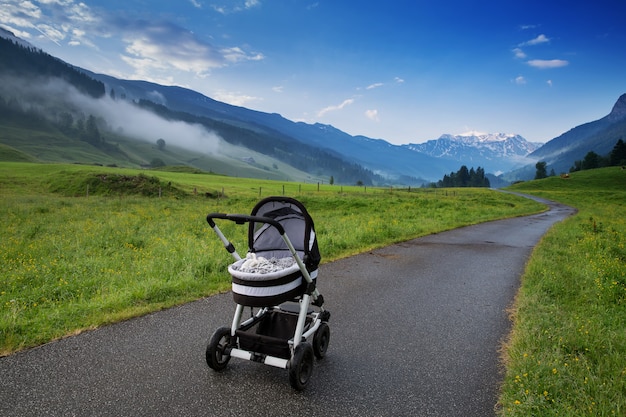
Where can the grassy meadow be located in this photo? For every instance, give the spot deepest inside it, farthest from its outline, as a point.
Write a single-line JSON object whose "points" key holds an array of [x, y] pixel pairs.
{"points": [[567, 352], [83, 246]]}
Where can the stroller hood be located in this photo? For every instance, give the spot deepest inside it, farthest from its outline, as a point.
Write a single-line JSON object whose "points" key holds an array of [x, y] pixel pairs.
{"points": [[265, 240]]}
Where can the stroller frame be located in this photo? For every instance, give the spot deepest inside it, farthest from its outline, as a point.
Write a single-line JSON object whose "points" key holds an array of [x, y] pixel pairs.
{"points": [[268, 336]]}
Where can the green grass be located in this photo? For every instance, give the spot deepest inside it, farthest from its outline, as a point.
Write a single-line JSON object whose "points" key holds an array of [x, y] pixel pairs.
{"points": [[566, 355], [75, 260]]}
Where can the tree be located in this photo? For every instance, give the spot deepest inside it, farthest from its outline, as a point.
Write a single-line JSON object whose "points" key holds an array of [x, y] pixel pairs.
{"points": [[161, 144], [92, 133], [542, 172], [463, 177], [618, 154], [591, 161], [332, 180]]}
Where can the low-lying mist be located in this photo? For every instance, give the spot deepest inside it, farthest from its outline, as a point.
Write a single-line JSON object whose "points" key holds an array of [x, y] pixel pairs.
{"points": [[51, 96]]}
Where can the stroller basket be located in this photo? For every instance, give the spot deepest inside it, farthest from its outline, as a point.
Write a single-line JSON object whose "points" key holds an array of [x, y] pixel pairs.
{"points": [[271, 334]]}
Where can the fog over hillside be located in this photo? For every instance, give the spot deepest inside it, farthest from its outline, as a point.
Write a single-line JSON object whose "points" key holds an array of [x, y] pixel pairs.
{"points": [[50, 97]]}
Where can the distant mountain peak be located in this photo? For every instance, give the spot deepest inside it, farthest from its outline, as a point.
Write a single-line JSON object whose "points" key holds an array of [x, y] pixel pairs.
{"points": [[496, 152], [619, 109], [482, 137]]}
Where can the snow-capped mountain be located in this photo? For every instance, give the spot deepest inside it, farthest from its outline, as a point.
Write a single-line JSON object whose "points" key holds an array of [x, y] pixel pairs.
{"points": [[495, 152]]}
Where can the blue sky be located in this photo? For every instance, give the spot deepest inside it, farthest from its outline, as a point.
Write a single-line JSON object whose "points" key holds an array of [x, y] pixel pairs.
{"points": [[403, 71]]}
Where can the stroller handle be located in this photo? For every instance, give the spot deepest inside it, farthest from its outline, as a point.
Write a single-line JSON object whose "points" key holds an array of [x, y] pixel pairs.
{"points": [[243, 218]]}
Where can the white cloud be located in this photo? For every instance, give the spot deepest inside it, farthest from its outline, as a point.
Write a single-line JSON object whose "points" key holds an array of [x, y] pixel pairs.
{"points": [[79, 12], [236, 54], [278, 89], [372, 115], [239, 7], [549, 82], [196, 4], [373, 86], [547, 63], [235, 98], [153, 48], [51, 33], [20, 15], [519, 53], [520, 80], [398, 80], [536, 41], [325, 110], [163, 46]]}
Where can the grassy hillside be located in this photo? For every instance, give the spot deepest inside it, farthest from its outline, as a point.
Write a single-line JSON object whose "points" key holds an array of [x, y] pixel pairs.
{"points": [[83, 246], [46, 144], [10, 154], [566, 353]]}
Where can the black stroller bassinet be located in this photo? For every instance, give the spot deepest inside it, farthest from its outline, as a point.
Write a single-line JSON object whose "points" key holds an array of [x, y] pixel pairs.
{"points": [[275, 285], [278, 276]]}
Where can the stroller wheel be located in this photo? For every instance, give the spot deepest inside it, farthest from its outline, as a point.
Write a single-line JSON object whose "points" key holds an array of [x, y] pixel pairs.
{"points": [[301, 366], [216, 352], [321, 340]]}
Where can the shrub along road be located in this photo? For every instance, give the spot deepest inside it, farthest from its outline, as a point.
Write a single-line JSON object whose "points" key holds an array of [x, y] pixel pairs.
{"points": [[415, 330]]}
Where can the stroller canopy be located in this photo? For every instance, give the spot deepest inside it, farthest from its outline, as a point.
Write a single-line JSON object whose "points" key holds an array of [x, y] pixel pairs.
{"points": [[264, 240]]}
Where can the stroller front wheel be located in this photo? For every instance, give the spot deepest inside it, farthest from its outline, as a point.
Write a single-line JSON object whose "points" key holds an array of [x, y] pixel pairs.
{"points": [[217, 356], [301, 366]]}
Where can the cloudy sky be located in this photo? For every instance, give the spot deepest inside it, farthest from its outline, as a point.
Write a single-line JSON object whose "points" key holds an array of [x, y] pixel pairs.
{"points": [[403, 71]]}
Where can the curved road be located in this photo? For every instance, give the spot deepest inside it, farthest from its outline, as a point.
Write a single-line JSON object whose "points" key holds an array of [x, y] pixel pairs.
{"points": [[415, 331]]}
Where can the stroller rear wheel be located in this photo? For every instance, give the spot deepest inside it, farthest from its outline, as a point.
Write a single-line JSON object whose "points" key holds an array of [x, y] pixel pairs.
{"points": [[301, 366], [217, 356], [321, 340]]}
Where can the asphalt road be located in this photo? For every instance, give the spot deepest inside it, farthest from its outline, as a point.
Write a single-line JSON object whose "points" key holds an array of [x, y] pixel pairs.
{"points": [[415, 331]]}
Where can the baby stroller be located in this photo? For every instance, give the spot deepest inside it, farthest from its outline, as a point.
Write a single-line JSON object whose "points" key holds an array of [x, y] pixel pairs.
{"points": [[277, 277]]}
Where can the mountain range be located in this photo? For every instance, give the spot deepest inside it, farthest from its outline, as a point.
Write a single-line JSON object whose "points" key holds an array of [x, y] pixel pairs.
{"points": [[499, 152], [199, 131]]}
